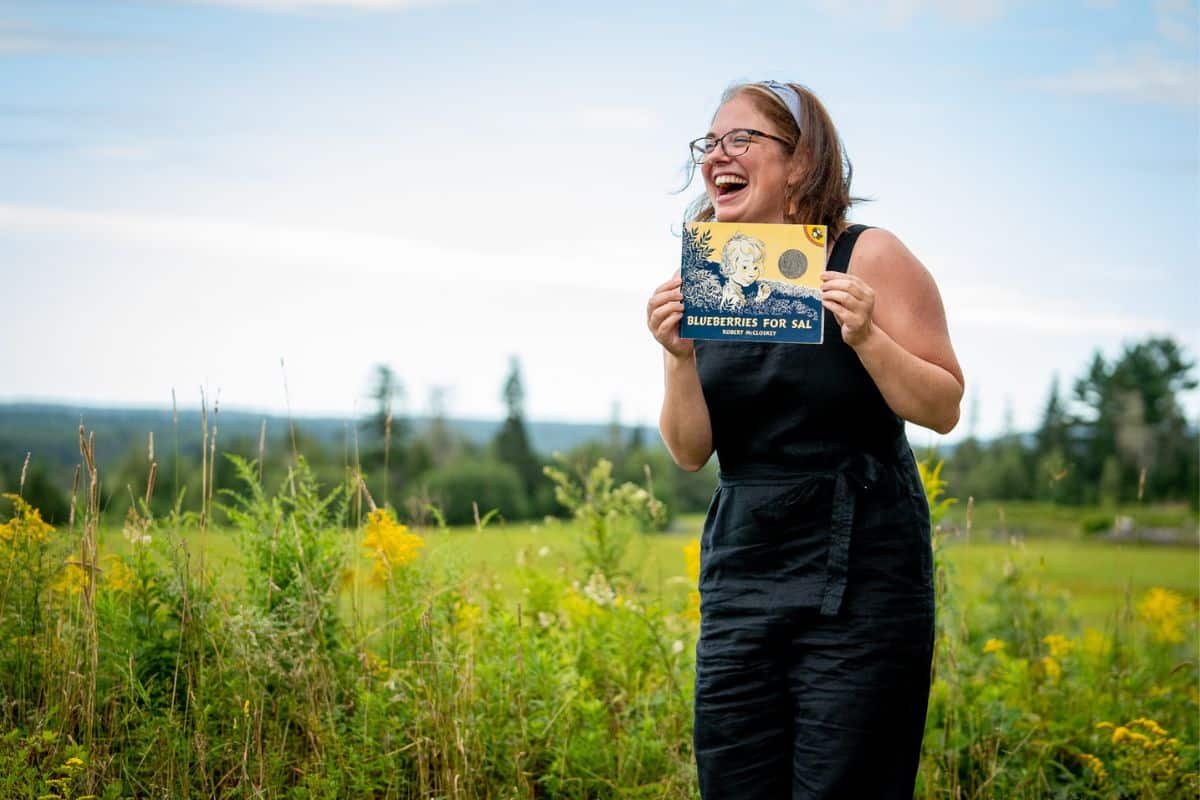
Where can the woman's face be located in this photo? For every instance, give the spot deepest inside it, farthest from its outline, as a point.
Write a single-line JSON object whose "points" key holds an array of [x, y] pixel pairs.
{"points": [[749, 187]]}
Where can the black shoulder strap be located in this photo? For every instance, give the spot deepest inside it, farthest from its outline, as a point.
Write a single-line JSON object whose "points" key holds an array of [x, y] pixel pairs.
{"points": [[839, 260]]}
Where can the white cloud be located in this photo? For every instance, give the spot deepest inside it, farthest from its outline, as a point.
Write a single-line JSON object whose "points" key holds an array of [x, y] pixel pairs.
{"points": [[1144, 76], [1177, 21], [281, 247]]}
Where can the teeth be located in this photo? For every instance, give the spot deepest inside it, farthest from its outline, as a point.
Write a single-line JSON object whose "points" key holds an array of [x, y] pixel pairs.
{"points": [[726, 180]]}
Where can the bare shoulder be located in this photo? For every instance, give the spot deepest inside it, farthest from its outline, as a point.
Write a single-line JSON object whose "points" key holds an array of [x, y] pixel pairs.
{"points": [[882, 260]]}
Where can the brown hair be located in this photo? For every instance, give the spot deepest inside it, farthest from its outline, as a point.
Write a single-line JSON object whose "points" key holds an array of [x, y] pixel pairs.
{"points": [[818, 184]]}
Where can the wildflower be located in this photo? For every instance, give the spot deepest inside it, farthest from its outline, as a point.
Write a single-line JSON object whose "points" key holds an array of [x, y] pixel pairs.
{"points": [[691, 554], [693, 609], [389, 544], [74, 762], [118, 576], [1059, 646], [26, 526], [466, 616], [1096, 643], [1160, 609], [546, 619], [543, 551], [575, 606], [993, 646], [599, 591], [72, 580], [1123, 734], [1052, 668], [1095, 765], [1150, 725], [677, 646]]}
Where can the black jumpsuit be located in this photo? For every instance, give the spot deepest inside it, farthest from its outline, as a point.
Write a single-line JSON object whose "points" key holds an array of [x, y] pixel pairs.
{"points": [[817, 605]]}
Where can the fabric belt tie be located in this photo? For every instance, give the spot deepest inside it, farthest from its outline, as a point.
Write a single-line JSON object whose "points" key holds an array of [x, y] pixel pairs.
{"points": [[853, 475]]}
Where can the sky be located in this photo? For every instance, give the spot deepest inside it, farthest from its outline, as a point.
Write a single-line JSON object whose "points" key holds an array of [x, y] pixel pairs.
{"points": [[251, 194]]}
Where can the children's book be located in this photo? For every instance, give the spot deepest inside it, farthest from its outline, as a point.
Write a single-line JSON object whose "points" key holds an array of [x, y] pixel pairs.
{"points": [[753, 282]]}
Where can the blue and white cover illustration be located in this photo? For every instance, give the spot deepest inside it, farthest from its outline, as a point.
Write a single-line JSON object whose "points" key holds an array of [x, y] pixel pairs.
{"points": [[753, 282]]}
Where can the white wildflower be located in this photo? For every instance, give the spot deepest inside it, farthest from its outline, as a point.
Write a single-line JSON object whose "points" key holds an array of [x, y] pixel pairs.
{"points": [[599, 591]]}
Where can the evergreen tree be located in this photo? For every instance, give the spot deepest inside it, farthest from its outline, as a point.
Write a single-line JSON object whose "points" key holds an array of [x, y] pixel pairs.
{"points": [[511, 444]]}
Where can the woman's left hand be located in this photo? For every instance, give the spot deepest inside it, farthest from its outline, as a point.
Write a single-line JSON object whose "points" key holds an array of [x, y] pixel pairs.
{"points": [[852, 303]]}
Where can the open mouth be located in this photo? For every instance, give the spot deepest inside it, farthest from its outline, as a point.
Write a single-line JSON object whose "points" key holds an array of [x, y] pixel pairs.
{"points": [[728, 186]]}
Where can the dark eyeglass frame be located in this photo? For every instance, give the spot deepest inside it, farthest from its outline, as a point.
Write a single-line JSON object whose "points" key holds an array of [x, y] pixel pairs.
{"points": [[699, 153]]}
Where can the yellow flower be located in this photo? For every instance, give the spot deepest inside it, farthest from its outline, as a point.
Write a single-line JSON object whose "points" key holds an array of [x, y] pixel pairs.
{"points": [[1096, 643], [693, 609], [390, 544], [74, 762], [1095, 765], [26, 526], [577, 608], [466, 617], [1160, 609], [118, 576], [1123, 734], [1150, 725], [1051, 667], [691, 555], [72, 580], [1059, 646], [993, 646]]}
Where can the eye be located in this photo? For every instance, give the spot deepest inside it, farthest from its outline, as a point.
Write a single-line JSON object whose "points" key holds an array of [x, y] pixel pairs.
{"points": [[740, 140]]}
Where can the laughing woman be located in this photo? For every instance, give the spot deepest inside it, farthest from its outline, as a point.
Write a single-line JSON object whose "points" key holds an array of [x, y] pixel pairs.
{"points": [[817, 603]]}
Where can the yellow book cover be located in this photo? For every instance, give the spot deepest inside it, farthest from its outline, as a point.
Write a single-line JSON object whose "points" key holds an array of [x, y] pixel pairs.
{"points": [[753, 282]]}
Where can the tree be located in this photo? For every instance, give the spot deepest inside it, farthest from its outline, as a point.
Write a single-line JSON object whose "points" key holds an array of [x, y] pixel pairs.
{"points": [[1134, 425], [511, 443]]}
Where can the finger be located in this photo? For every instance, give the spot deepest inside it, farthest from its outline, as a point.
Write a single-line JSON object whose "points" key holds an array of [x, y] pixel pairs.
{"points": [[858, 290], [669, 328], [838, 311], [663, 311], [842, 298], [665, 296]]}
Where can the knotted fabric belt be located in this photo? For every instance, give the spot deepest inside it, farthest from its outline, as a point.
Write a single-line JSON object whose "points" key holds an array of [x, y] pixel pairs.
{"points": [[852, 474]]}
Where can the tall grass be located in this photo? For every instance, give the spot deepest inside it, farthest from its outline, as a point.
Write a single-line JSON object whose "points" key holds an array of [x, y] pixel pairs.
{"points": [[337, 658]]}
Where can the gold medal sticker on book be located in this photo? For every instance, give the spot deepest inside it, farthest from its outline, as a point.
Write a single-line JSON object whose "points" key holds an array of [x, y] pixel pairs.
{"points": [[753, 281]]}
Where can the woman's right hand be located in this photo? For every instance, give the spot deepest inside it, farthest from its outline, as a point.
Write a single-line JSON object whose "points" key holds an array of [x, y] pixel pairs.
{"points": [[663, 315]]}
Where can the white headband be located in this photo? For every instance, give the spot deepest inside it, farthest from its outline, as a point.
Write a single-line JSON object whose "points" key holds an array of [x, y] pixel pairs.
{"points": [[790, 98]]}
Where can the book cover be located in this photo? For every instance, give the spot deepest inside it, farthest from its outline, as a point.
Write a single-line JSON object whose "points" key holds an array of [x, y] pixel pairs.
{"points": [[753, 282]]}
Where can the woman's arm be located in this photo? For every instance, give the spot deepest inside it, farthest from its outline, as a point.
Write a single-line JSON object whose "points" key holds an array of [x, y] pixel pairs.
{"points": [[684, 422], [891, 313]]}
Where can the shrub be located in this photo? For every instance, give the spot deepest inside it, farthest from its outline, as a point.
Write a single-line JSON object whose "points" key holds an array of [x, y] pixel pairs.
{"points": [[488, 484]]}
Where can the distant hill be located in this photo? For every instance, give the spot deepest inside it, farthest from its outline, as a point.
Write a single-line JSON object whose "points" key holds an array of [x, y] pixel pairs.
{"points": [[50, 432]]}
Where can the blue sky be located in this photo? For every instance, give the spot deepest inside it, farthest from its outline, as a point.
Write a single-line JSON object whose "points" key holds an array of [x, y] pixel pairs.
{"points": [[190, 192]]}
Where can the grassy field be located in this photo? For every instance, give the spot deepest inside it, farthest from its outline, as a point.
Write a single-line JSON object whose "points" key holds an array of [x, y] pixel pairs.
{"points": [[1098, 578], [538, 660]]}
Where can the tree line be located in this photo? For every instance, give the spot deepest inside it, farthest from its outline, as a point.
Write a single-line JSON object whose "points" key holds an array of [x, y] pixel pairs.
{"points": [[1119, 435]]}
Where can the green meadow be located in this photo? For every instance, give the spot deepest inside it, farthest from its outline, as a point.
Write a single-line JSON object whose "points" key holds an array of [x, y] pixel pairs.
{"points": [[280, 654]]}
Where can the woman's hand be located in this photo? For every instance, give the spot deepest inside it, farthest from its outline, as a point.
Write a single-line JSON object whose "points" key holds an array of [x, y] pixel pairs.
{"points": [[663, 314], [852, 303]]}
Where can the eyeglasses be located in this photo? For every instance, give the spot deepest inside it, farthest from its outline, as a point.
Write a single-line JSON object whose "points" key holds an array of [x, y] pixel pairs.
{"points": [[734, 143]]}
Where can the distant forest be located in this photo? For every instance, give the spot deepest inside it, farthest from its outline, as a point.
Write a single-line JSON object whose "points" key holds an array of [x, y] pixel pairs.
{"points": [[1118, 434]]}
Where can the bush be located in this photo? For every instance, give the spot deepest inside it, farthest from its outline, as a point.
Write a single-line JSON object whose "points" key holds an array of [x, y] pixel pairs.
{"points": [[489, 484], [1094, 524]]}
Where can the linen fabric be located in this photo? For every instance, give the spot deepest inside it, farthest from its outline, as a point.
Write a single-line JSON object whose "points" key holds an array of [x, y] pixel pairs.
{"points": [[817, 603]]}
